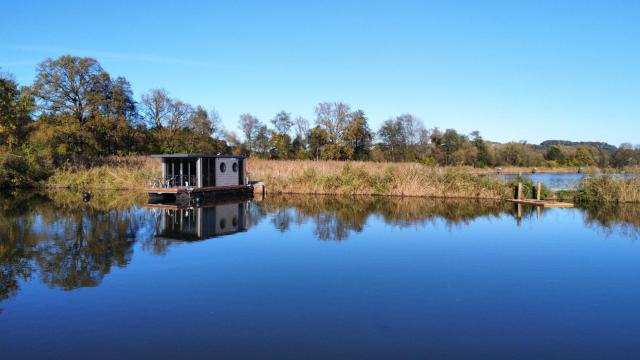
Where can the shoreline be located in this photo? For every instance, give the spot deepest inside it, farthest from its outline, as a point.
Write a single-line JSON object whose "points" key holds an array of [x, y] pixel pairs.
{"points": [[308, 177]]}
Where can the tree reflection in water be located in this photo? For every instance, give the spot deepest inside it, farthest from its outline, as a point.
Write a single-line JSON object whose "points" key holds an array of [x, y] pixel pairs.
{"points": [[621, 219], [70, 244], [334, 218]]}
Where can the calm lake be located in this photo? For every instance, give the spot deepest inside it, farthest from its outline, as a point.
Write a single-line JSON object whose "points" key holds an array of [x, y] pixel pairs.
{"points": [[301, 277], [560, 181]]}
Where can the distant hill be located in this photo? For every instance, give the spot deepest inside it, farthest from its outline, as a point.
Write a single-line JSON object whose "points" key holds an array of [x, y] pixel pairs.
{"points": [[602, 146]]}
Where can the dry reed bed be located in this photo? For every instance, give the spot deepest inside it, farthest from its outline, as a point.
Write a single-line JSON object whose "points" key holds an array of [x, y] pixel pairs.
{"points": [[334, 177], [109, 173], [368, 178], [605, 189]]}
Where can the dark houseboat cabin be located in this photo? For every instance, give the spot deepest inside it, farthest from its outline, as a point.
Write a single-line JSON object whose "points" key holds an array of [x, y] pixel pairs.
{"points": [[198, 177]]}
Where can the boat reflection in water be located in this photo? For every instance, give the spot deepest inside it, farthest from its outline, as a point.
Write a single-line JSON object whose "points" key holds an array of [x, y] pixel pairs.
{"points": [[202, 222]]}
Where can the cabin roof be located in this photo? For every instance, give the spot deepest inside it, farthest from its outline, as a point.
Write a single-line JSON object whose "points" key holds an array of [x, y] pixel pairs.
{"points": [[196, 156]]}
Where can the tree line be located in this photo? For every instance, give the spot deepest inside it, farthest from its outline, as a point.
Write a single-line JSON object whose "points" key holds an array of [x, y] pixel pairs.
{"points": [[74, 108]]}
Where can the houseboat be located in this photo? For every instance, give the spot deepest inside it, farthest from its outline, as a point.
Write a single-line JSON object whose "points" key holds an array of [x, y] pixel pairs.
{"points": [[195, 178]]}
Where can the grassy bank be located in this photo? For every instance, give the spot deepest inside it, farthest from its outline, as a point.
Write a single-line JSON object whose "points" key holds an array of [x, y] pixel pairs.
{"points": [[368, 178], [412, 179], [299, 177], [342, 178]]}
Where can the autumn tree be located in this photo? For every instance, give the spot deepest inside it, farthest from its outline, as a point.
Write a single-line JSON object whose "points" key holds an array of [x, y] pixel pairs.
{"points": [[201, 125], [358, 136], [249, 125], [113, 116], [83, 111], [391, 139], [518, 154], [179, 114], [318, 140], [156, 108], [556, 153], [280, 140], [300, 142], [262, 141], [467, 154], [450, 143], [333, 117], [119, 100], [585, 156], [217, 128], [484, 155], [400, 137], [301, 127], [68, 85], [282, 122], [280, 146], [16, 106], [626, 155]]}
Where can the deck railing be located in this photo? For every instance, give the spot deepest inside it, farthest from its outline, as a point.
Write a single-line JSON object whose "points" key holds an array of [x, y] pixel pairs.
{"points": [[174, 182]]}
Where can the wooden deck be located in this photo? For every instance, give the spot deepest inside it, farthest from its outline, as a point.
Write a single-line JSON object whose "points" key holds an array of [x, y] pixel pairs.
{"points": [[542, 203], [190, 190]]}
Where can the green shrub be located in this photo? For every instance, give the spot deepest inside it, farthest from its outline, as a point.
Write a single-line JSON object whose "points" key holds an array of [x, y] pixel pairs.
{"points": [[565, 195], [529, 188], [20, 171]]}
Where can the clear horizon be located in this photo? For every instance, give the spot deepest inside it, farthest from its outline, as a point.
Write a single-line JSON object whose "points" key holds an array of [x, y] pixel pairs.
{"points": [[530, 71]]}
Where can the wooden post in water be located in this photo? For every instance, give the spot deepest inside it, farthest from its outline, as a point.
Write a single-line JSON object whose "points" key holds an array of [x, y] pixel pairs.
{"points": [[519, 193], [538, 191], [519, 218], [259, 190]]}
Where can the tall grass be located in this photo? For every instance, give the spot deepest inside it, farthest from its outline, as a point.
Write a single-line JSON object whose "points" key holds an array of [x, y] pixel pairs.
{"points": [[341, 178], [115, 173], [606, 189], [368, 178]]}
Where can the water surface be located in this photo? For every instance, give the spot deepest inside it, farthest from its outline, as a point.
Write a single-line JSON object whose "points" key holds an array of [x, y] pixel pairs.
{"points": [[316, 277], [560, 181]]}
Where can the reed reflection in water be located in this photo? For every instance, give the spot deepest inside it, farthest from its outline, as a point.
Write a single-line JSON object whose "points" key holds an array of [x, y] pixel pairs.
{"points": [[66, 243], [316, 277]]}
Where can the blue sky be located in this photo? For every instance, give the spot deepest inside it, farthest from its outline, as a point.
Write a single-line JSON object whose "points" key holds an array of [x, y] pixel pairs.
{"points": [[515, 70]]}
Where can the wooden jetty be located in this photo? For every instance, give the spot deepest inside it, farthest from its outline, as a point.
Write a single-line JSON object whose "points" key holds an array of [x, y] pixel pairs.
{"points": [[537, 201], [542, 203]]}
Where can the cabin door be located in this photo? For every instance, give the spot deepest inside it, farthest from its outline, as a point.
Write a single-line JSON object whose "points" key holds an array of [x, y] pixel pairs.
{"points": [[241, 172]]}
